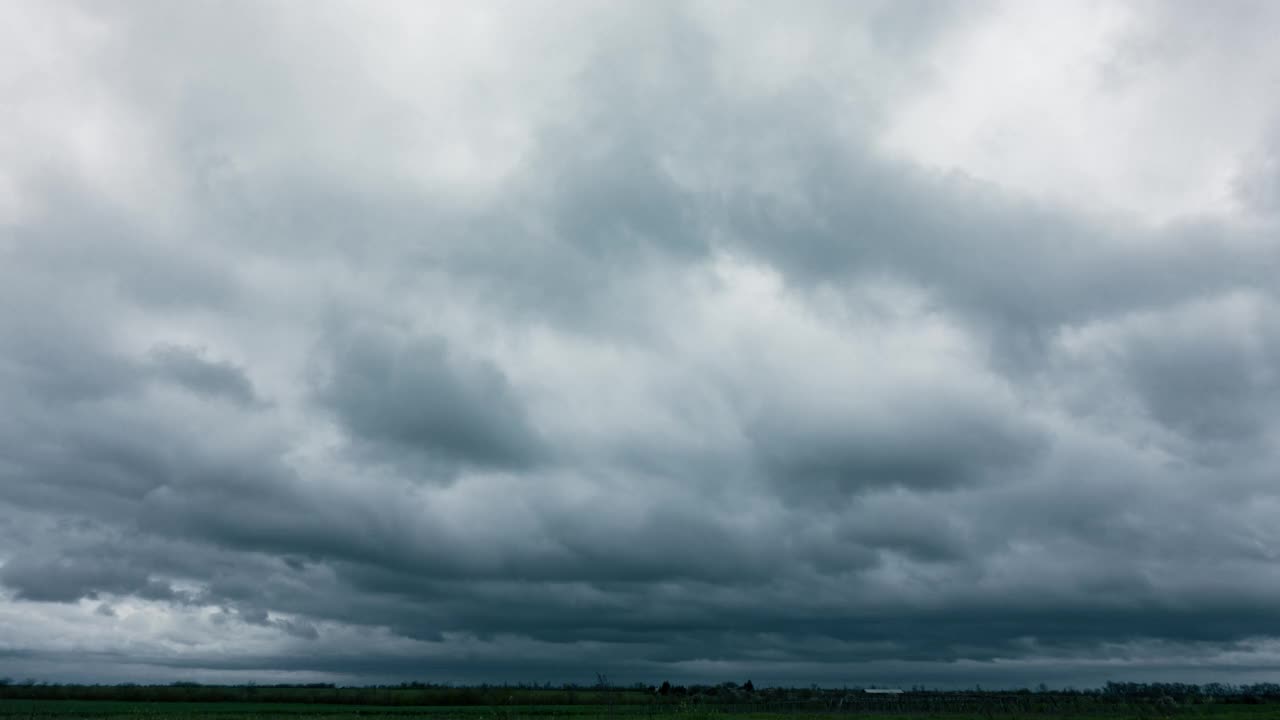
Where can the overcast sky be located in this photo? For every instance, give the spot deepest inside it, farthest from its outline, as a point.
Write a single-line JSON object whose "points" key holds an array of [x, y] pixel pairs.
{"points": [[851, 342]]}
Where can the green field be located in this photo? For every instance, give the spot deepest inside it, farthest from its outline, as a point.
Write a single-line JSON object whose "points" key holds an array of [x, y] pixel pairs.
{"points": [[233, 710], [89, 709]]}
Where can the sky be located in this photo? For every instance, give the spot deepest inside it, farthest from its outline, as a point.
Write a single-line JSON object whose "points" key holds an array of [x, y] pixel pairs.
{"points": [[886, 341]]}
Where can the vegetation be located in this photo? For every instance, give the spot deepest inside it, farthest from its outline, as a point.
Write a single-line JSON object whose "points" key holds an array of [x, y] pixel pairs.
{"points": [[191, 701]]}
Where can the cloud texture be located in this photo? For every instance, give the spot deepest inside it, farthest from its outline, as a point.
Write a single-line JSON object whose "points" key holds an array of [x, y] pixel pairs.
{"points": [[847, 342]]}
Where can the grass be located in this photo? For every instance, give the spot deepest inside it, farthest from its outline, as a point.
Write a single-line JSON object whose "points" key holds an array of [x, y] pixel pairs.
{"points": [[235, 710], [90, 709], [228, 710]]}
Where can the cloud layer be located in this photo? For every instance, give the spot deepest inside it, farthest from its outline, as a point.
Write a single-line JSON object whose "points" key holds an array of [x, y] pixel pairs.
{"points": [[874, 342]]}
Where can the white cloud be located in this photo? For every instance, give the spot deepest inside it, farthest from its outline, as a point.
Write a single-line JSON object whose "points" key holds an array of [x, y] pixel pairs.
{"points": [[1110, 106]]}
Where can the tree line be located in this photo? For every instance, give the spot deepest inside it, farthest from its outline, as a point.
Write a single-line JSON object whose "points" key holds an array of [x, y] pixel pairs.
{"points": [[728, 695]]}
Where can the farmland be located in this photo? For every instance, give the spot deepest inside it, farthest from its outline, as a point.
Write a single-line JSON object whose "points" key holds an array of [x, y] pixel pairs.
{"points": [[725, 702]]}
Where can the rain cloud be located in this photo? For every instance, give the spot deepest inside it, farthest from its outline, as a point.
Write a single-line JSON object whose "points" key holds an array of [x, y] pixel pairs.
{"points": [[913, 342]]}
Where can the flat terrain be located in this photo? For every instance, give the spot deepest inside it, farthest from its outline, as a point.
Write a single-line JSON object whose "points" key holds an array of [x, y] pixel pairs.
{"points": [[89, 709], [236, 710]]}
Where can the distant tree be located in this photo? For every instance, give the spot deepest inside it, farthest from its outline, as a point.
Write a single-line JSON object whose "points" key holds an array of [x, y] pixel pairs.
{"points": [[749, 686], [665, 689]]}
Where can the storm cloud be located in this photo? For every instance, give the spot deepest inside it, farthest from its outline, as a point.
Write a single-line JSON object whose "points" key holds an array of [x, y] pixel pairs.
{"points": [[911, 342]]}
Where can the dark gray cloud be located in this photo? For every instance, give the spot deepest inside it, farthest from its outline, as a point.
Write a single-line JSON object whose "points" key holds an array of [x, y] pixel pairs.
{"points": [[188, 367], [664, 355], [70, 579], [418, 396], [844, 448]]}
